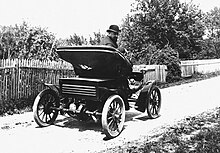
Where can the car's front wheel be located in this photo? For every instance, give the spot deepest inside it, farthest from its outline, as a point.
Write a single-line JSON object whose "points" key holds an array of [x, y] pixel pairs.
{"points": [[113, 116]]}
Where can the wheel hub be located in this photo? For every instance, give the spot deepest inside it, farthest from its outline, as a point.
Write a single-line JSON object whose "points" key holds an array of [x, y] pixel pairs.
{"points": [[116, 116], [154, 102], [47, 108]]}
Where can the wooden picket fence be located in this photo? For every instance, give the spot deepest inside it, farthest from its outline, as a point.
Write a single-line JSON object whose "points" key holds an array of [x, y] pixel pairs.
{"points": [[21, 78], [190, 67]]}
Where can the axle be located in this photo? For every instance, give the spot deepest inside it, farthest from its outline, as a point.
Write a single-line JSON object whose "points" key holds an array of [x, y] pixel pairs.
{"points": [[77, 111]]}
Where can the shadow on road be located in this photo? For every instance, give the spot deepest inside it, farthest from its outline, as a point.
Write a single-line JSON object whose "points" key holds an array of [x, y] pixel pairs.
{"points": [[72, 123], [135, 116]]}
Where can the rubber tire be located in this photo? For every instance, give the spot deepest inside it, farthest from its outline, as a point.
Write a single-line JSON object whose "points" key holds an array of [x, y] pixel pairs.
{"points": [[113, 116], [153, 102], [42, 116]]}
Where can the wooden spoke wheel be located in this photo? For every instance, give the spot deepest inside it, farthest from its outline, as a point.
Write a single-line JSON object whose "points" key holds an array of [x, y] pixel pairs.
{"points": [[113, 116], [154, 102], [44, 114]]}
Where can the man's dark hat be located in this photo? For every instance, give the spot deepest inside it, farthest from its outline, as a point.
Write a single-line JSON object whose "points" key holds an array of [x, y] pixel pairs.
{"points": [[114, 28]]}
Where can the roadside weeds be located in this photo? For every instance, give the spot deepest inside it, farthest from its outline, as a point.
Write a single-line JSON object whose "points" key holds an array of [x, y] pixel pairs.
{"points": [[194, 134]]}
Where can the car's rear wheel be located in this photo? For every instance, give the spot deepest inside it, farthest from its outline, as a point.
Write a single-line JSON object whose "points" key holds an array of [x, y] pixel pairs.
{"points": [[44, 114], [113, 116]]}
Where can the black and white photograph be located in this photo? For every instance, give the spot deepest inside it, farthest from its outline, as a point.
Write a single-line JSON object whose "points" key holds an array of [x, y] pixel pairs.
{"points": [[109, 76]]}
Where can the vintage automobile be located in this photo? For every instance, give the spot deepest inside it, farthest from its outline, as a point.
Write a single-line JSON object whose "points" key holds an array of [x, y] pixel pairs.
{"points": [[102, 90]]}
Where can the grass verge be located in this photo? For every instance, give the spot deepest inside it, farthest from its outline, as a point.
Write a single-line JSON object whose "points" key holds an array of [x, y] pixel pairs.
{"points": [[10, 107], [195, 134]]}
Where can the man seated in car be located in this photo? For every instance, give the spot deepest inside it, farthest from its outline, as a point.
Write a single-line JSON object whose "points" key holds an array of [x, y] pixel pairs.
{"points": [[112, 37]]}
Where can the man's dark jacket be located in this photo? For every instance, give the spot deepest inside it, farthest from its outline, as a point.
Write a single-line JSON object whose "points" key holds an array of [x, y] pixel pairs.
{"points": [[107, 41]]}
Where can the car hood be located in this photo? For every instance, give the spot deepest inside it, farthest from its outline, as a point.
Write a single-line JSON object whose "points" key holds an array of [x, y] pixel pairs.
{"points": [[96, 61]]}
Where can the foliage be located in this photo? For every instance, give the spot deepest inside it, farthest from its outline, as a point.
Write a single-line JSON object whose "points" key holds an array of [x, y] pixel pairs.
{"points": [[74, 40], [208, 140], [22, 41], [197, 134], [169, 57], [211, 45], [164, 23], [190, 31], [210, 49], [156, 24], [212, 22], [15, 106], [96, 39]]}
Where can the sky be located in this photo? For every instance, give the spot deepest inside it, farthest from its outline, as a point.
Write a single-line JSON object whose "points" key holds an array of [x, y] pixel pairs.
{"points": [[66, 17]]}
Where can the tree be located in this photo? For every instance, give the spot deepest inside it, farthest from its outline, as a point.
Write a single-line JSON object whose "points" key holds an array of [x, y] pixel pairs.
{"points": [[190, 30], [76, 40], [22, 41], [158, 29], [169, 57], [164, 23], [7, 41], [39, 44], [211, 45], [212, 22], [96, 39]]}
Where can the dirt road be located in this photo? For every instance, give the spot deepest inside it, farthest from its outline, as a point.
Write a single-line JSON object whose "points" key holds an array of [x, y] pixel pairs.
{"points": [[20, 134]]}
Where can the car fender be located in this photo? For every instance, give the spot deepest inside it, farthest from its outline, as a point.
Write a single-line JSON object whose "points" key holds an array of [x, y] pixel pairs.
{"points": [[147, 87], [53, 87], [144, 93]]}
